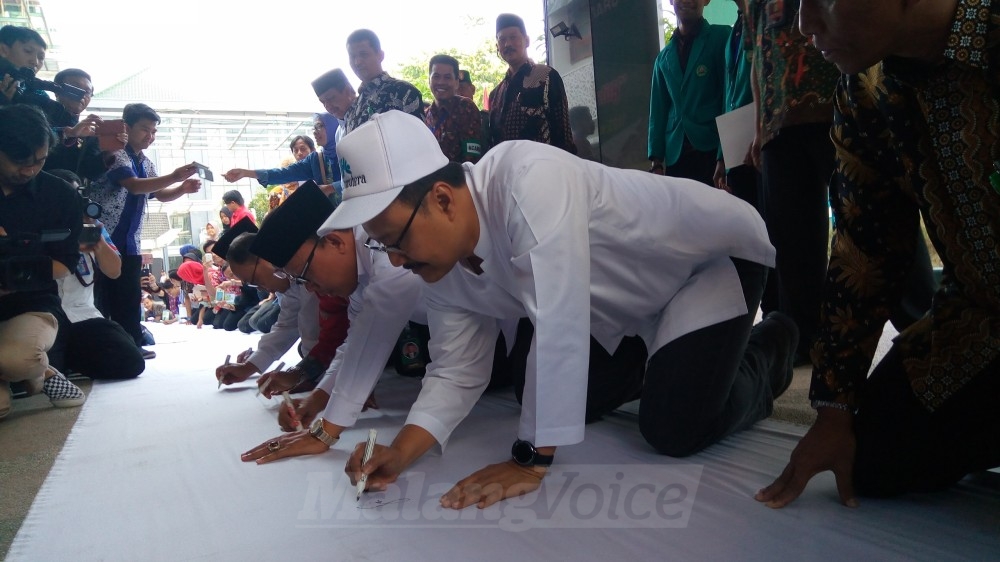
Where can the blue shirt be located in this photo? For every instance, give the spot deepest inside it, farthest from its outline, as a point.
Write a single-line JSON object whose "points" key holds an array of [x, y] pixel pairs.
{"points": [[316, 166], [124, 211]]}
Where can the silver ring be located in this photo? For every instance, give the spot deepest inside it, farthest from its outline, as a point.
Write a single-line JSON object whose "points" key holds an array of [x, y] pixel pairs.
{"points": [[273, 446]]}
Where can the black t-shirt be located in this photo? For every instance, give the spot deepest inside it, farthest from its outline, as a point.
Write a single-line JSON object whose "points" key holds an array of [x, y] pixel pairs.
{"points": [[82, 156], [46, 204]]}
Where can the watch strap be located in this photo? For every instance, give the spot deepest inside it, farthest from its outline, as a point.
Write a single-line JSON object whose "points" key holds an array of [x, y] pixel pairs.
{"points": [[318, 431], [529, 455]]}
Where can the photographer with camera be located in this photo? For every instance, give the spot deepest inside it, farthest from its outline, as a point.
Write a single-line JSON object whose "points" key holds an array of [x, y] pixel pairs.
{"points": [[39, 227], [97, 348], [123, 192], [79, 149], [22, 53]]}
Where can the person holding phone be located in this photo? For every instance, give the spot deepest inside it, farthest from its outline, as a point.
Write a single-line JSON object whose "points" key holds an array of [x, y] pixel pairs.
{"points": [[123, 192], [82, 143]]}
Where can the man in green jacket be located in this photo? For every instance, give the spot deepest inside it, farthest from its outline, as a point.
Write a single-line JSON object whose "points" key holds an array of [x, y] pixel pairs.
{"points": [[689, 81], [739, 178]]}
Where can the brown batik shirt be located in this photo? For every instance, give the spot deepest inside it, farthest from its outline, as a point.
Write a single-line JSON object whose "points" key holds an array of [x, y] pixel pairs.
{"points": [[531, 104], [917, 139], [457, 126]]}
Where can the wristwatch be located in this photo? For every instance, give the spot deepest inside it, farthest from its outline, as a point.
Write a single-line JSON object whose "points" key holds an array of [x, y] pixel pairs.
{"points": [[319, 432], [525, 454]]}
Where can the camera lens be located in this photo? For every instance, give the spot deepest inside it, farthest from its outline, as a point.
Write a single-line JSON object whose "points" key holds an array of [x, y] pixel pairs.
{"points": [[92, 209]]}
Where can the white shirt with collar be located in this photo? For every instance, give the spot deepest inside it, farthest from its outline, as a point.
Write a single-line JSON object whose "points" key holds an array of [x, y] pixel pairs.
{"points": [[581, 249], [385, 299], [298, 317]]}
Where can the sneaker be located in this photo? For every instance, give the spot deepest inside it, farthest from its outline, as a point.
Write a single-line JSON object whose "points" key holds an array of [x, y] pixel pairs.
{"points": [[61, 392], [4, 399], [147, 354]]}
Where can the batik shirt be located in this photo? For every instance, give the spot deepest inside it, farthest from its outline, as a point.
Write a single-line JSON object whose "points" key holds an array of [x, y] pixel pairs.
{"points": [[796, 84], [124, 211], [379, 95], [531, 104], [915, 139], [456, 126]]}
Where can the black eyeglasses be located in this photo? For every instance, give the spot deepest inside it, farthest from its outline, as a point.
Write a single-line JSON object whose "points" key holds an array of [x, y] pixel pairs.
{"points": [[371, 244], [299, 279], [250, 282]]}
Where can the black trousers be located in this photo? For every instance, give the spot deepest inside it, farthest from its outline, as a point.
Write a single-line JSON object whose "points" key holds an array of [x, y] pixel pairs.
{"points": [[796, 170], [712, 382], [233, 319], [119, 299], [216, 320], [100, 349], [612, 380], [902, 447], [745, 182], [694, 164], [694, 390]]}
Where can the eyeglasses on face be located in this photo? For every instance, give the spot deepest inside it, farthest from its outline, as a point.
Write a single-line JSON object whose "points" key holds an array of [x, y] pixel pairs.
{"points": [[372, 244], [299, 279], [250, 282]]}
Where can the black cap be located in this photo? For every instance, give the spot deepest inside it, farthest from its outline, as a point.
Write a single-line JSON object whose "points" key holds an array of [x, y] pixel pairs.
{"points": [[221, 246], [510, 20], [290, 224], [463, 76], [332, 79]]}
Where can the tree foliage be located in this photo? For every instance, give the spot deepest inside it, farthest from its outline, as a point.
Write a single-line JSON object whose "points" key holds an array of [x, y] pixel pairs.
{"points": [[668, 25], [259, 203]]}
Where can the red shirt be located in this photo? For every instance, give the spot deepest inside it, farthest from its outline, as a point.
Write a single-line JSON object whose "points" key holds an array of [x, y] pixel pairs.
{"points": [[241, 212], [333, 325]]}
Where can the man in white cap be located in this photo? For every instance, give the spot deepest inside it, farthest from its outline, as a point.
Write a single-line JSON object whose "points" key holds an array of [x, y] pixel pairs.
{"points": [[381, 299], [579, 248]]}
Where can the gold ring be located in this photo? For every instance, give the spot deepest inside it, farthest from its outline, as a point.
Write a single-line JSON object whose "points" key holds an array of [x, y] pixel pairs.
{"points": [[273, 446]]}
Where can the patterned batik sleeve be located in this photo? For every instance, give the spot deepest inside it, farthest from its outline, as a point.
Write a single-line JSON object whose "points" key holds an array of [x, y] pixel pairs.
{"points": [[876, 226], [470, 130]]}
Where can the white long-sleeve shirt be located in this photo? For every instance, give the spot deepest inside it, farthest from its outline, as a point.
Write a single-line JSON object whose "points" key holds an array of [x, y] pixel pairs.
{"points": [[581, 249], [385, 299], [299, 317]]}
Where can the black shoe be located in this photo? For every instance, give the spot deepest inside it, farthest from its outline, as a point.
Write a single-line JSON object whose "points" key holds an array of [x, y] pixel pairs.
{"points": [[147, 354], [778, 336]]}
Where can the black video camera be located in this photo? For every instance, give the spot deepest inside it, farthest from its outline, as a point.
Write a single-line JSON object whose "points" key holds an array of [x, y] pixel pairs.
{"points": [[90, 208], [28, 81], [23, 264]]}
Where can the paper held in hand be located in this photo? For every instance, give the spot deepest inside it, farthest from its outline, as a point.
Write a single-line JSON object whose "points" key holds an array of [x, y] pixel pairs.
{"points": [[736, 131]]}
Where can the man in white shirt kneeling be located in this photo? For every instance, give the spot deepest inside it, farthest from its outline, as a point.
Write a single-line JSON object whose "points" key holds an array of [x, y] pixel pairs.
{"points": [[579, 249]]}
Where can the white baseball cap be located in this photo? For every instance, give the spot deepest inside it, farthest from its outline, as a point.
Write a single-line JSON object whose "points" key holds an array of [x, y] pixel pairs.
{"points": [[377, 160]]}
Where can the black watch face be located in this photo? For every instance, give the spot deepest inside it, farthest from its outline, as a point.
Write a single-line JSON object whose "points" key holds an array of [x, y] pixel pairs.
{"points": [[523, 452]]}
